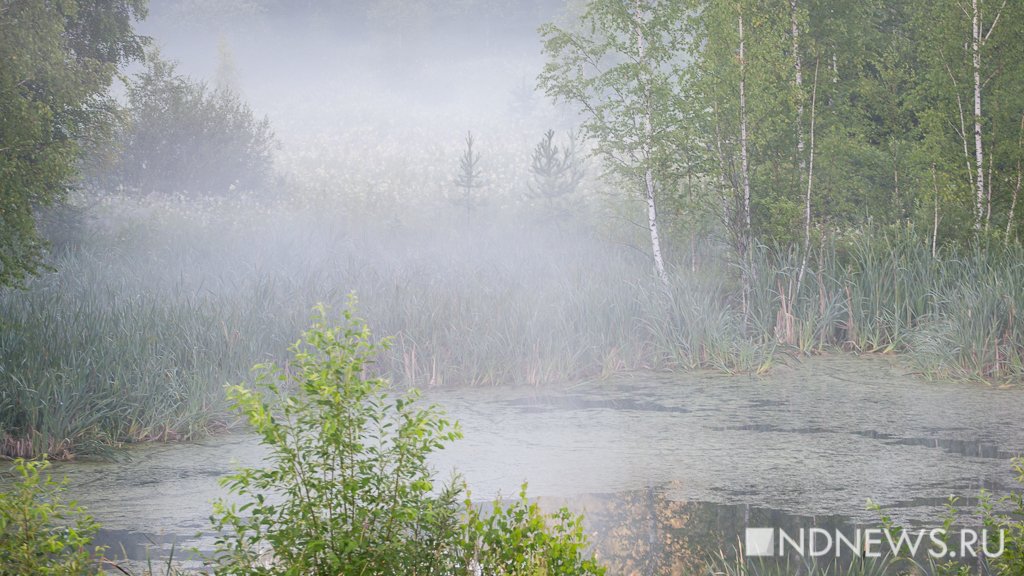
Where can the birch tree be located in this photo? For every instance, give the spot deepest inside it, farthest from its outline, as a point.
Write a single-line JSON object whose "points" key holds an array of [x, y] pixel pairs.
{"points": [[1016, 187], [744, 149], [621, 67], [971, 56], [980, 33]]}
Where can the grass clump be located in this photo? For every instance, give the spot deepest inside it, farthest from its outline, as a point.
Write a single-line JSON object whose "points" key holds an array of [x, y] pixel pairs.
{"points": [[1010, 523], [1001, 555]]}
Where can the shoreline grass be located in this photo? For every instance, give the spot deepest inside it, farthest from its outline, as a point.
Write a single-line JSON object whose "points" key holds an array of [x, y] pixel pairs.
{"points": [[135, 333]]}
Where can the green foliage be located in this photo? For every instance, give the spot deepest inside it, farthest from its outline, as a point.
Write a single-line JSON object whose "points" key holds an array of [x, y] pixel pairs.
{"points": [[520, 540], [627, 90], [182, 137], [59, 59], [1011, 561], [40, 532], [894, 85], [348, 488]]}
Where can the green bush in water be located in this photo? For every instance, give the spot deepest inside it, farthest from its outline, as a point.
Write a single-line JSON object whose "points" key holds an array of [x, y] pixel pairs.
{"points": [[347, 488], [41, 533]]}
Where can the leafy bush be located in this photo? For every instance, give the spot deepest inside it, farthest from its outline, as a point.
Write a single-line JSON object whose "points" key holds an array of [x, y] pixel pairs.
{"points": [[183, 137], [40, 532], [1011, 561], [348, 489], [520, 539]]}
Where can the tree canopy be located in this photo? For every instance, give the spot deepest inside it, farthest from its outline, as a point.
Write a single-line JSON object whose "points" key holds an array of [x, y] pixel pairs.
{"points": [[807, 114], [59, 59], [181, 136]]}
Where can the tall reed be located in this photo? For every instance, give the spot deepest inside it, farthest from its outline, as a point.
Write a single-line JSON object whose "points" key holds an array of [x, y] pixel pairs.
{"points": [[957, 314], [134, 335]]}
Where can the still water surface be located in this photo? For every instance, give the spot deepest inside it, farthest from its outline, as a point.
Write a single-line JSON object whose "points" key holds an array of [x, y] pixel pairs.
{"points": [[668, 468]]}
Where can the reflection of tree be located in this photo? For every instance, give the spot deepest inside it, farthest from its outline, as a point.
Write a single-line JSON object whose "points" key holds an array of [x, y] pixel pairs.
{"points": [[644, 532], [647, 532]]}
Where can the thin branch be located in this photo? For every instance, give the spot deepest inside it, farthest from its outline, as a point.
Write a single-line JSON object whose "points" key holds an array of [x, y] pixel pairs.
{"points": [[994, 22]]}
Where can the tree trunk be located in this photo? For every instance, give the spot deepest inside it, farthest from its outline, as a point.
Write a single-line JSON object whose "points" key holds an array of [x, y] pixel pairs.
{"points": [[979, 156], [649, 183], [963, 126], [799, 81], [1016, 189], [935, 222], [744, 157], [897, 202], [1013, 206], [810, 184], [652, 225]]}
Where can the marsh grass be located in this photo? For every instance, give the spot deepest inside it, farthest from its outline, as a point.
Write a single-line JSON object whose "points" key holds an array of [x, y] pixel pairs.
{"points": [[134, 335], [958, 315]]}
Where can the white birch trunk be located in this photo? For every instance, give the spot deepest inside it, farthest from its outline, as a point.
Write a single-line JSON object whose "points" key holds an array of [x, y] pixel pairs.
{"points": [[810, 185], [652, 225], [1016, 189], [1013, 206], [799, 80], [649, 184], [988, 187], [744, 160], [935, 222], [979, 156], [802, 164], [894, 146]]}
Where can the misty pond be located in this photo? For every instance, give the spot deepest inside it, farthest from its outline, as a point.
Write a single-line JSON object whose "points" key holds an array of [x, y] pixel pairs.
{"points": [[667, 468], [686, 268]]}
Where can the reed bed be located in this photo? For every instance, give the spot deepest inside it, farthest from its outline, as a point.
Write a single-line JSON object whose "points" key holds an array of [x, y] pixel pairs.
{"points": [[135, 333], [956, 315]]}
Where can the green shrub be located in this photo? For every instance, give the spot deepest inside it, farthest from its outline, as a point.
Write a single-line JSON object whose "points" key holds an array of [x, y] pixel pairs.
{"points": [[519, 539], [348, 490], [1011, 561], [183, 137], [41, 533]]}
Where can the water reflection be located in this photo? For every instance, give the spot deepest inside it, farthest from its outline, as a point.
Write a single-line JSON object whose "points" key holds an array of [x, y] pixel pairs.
{"points": [[648, 532]]}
